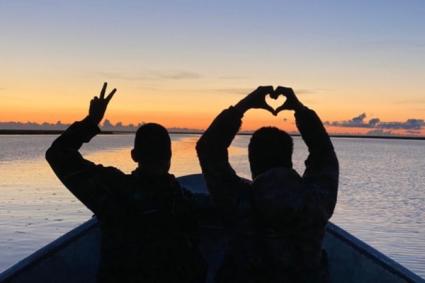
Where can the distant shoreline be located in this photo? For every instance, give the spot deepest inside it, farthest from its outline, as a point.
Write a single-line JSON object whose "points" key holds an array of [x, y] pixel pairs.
{"points": [[57, 132]]}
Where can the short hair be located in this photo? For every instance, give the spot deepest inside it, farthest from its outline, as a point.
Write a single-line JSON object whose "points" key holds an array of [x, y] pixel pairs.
{"points": [[152, 143], [268, 148]]}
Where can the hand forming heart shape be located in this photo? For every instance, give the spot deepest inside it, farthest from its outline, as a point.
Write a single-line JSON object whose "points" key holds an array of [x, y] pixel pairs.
{"points": [[263, 98], [290, 102], [275, 101]]}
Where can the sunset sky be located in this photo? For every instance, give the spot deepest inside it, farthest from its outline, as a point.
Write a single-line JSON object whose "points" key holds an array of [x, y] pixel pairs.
{"points": [[181, 62]]}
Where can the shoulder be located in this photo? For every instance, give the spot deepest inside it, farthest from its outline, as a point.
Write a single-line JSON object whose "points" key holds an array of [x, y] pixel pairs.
{"points": [[109, 171], [114, 171], [109, 175]]}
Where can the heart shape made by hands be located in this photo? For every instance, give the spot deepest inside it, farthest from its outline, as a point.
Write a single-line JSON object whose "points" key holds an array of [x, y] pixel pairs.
{"points": [[275, 102]]}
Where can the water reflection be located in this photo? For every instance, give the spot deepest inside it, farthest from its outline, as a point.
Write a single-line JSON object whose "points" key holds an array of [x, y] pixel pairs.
{"points": [[381, 198]]}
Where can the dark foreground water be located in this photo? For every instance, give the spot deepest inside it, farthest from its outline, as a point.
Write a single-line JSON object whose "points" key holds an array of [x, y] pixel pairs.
{"points": [[381, 196]]}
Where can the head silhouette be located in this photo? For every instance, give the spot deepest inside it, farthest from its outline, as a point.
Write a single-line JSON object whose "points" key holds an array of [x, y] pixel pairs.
{"points": [[152, 149], [268, 148]]}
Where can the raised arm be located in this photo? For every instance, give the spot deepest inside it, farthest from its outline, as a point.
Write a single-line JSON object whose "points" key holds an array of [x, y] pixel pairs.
{"points": [[86, 180], [223, 183], [322, 169]]}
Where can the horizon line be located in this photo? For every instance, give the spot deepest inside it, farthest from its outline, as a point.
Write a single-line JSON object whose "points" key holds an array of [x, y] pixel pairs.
{"points": [[199, 132]]}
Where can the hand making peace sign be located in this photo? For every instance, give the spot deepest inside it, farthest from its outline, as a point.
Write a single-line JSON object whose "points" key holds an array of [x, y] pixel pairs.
{"points": [[99, 104]]}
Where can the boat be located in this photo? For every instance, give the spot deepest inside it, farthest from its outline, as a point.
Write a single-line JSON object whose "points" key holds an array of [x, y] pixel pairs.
{"points": [[74, 256]]}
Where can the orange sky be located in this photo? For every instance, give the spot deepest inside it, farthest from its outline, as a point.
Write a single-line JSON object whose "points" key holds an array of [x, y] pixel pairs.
{"points": [[177, 65], [193, 109], [191, 106]]}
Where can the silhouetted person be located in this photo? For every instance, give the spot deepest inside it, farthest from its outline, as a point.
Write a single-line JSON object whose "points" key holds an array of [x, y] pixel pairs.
{"points": [[276, 223], [148, 228]]}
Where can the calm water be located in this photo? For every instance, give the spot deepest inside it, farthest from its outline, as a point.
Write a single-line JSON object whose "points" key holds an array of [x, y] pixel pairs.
{"points": [[381, 196]]}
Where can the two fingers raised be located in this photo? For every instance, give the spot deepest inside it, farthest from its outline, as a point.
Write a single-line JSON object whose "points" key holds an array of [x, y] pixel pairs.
{"points": [[109, 96]]}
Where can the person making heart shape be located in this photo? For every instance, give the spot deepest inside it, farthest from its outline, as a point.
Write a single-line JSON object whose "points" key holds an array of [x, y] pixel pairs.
{"points": [[276, 222]]}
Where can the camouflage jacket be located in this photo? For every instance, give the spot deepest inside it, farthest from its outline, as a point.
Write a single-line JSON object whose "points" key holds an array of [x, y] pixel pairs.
{"points": [[276, 223], [149, 232]]}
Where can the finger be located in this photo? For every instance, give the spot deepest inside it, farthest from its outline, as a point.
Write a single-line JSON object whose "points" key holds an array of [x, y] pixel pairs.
{"points": [[280, 108], [109, 97], [274, 94], [268, 108], [281, 90], [266, 90], [290, 92], [285, 91], [102, 92]]}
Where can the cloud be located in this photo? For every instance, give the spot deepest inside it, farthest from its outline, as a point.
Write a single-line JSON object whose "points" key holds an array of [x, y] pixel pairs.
{"points": [[305, 91], [410, 124], [176, 75], [413, 132], [375, 123], [309, 91], [233, 77], [379, 132], [231, 90], [59, 126], [356, 122], [153, 75], [32, 126]]}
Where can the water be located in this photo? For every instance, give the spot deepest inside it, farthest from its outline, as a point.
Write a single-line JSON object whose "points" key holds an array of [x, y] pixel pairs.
{"points": [[381, 196]]}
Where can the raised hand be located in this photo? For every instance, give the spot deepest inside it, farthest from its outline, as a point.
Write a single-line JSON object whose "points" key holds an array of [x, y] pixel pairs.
{"points": [[291, 103], [99, 104], [256, 100]]}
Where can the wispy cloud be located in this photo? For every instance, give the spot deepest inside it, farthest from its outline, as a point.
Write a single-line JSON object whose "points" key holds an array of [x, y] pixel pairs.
{"points": [[176, 75], [310, 91], [230, 90], [152, 75], [233, 77]]}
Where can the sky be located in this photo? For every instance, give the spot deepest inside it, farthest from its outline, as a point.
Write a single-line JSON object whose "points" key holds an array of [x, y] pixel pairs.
{"points": [[180, 63]]}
